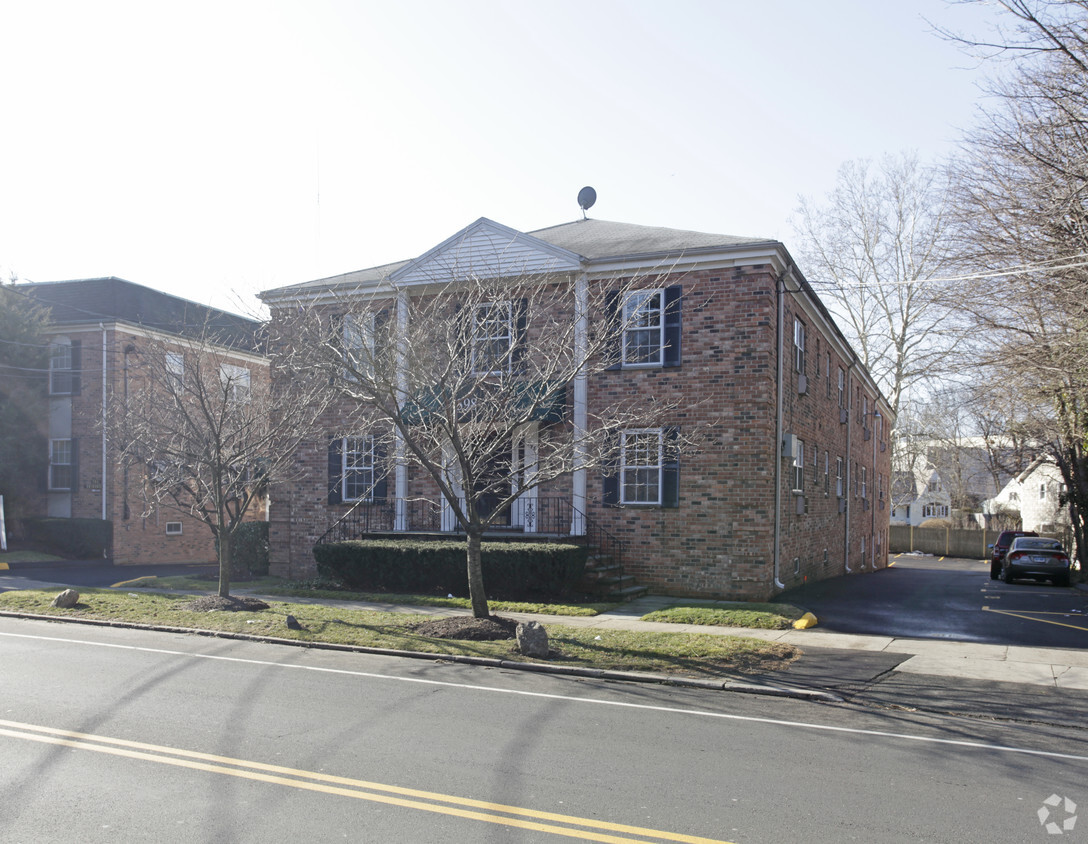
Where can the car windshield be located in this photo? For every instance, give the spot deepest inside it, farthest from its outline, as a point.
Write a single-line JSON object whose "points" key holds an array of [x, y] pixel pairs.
{"points": [[1037, 544]]}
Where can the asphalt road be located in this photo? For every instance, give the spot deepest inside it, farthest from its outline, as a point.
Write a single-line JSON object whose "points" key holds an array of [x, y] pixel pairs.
{"points": [[946, 598], [111, 735]]}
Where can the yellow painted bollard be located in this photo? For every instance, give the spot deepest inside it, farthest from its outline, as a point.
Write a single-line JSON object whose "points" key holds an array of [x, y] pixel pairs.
{"points": [[804, 622]]}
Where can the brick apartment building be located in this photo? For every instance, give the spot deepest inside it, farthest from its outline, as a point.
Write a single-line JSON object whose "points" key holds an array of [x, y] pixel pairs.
{"points": [[792, 480], [96, 330]]}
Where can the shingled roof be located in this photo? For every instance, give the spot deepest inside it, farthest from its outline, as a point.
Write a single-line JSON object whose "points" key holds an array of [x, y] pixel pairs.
{"points": [[108, 300]]}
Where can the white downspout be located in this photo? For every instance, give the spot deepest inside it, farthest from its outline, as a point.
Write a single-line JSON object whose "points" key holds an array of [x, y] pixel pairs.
{"points": [[779, 287], [849, 474], [105, 420], [581, 329]]}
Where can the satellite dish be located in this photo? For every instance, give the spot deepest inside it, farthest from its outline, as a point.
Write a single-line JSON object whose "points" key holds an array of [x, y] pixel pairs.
{"points": [[586, 197]]}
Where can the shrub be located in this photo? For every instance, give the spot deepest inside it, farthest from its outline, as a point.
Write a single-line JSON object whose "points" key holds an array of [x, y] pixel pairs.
{"points": [[77, 538], [512, 570], [249, 552]]}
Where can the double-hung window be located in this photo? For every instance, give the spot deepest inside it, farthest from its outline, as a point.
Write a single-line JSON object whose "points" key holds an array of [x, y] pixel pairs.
{"points": [[838, 477], [842, 388], [357, 469], [174, 364], [864, 481], [60, 369], [60, 464], [827, 475], [641, 462], [799, 346], [358, 345], [799, 467], [644, 327], [492, 338], [235, 382]]}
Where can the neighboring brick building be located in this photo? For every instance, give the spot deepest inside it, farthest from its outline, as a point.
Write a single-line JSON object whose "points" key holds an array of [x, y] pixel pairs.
{"points": [[97, 328], [794, 480]]}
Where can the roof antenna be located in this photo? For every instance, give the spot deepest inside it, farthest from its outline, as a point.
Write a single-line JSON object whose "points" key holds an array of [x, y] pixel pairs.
{"points": [[586, 197]]}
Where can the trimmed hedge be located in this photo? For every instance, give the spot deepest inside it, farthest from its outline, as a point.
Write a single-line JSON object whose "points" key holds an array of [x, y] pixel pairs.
{"points": [[512, 570], [75, 538], [249, 551]]}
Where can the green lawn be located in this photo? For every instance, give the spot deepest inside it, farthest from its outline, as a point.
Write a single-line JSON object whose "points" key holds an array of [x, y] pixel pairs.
{"points": [[730, 614], [669, 653]]}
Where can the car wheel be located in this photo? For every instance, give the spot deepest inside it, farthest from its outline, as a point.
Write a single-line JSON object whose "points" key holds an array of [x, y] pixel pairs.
{"points": [[1005, 576], [995, 571]]}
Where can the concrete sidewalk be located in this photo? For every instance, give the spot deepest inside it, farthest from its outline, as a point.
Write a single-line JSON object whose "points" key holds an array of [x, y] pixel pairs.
{"points": [[1054, 668]]}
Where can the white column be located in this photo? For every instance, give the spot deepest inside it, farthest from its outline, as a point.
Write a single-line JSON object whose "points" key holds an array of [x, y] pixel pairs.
{"points": [[581, 330], [400, 519]]}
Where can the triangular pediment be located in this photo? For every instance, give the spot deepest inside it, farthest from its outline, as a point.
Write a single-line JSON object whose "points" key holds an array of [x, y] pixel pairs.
{"points": [[486, 249]]}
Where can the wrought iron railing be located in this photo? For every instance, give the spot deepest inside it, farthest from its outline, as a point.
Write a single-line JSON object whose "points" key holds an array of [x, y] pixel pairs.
{"points": [[546, 516]]}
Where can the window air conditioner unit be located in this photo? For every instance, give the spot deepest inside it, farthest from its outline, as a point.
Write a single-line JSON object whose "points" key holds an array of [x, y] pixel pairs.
{"points": [[883, 447], [844, 415], [802, 385], [800, 502], [842, 505], [868, 434], [789, 446]]}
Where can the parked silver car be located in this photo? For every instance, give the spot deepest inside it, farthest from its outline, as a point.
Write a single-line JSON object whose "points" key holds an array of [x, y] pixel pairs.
{"points": [[1036, 557]]}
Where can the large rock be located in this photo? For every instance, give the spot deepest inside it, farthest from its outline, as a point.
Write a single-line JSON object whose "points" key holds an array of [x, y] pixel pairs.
{"points": [[532, 639], [66, 599]]}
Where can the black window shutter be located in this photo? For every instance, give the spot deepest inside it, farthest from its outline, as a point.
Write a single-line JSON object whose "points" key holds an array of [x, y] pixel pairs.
{"points": [[611, 486], [77, 367], [672, 326], [614, 326], [75, 464], [335, 465], [521, 315], [670, 469], [381, 475]]}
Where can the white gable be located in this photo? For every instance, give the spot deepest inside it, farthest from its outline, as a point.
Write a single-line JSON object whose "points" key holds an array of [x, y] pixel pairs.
{"points": [[487, 249]]}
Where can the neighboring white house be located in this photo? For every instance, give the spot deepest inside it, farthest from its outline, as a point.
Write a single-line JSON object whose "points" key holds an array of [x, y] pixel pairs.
{"points": [[1035, 494], [917, 495]]}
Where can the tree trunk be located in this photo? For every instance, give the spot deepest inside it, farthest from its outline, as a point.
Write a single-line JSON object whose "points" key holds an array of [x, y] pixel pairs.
{"points": [[476, 577], [225, 553]]}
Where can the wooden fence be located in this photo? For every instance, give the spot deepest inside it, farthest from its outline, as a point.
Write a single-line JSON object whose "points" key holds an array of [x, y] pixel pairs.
{"points": [[946, 542]]}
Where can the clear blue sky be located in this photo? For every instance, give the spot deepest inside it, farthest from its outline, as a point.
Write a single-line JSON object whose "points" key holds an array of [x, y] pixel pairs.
{"points": [[215, 149]]}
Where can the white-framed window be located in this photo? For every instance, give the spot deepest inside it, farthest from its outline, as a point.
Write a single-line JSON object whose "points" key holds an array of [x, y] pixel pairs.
{"points": [[174, 363], [358, 344], [799, 346], [827, 373], [864, 481], [880, 485], [492, 338], [641, 462], [838, 477], [235, 381], [173, 528], [842, 388], [357, 469], [1042, 492], [827, 472], [60, 464], [644, 328], [799, 467], [60, 369], [815, 465], [934, 511]]}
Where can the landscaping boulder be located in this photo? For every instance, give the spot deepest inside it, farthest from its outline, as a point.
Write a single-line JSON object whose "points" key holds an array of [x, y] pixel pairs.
{"points": [[532, 639], [66, 599]]}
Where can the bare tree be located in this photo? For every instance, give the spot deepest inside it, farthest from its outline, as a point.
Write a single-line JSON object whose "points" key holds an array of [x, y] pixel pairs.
{"points": [[1022, 229], [871, 248], [445, 377], [209, 431]]}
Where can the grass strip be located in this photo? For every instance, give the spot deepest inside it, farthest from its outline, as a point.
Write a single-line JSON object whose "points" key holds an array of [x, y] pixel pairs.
{"points": [[692, 655], [730, 614]]}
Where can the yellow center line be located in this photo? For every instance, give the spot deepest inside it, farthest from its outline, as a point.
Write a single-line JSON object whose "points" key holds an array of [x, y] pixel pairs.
{"points": [[1032, 618], [346, 787]]}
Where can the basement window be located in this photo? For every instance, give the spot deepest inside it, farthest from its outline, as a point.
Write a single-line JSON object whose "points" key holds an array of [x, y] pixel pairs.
{"points": [[173, 528]]}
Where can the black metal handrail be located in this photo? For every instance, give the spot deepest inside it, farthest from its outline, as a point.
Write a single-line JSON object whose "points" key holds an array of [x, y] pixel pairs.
{"points": [[551, 516]]}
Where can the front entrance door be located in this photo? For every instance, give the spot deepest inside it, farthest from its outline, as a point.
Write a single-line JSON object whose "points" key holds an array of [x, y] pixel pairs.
{"points": [[495, 485]]}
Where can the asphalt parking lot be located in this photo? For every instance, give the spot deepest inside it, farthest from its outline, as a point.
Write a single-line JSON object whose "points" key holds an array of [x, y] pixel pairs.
{"points": [[925, 597]]}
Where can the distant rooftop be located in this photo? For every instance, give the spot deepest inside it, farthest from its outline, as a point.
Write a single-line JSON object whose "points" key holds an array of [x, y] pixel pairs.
{"points": [[94, 300]]}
